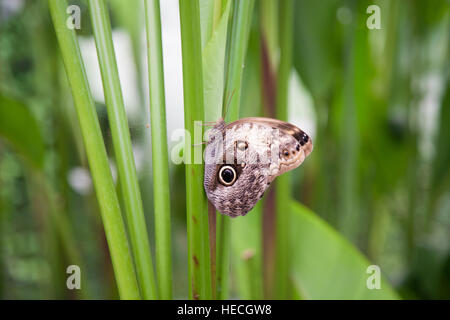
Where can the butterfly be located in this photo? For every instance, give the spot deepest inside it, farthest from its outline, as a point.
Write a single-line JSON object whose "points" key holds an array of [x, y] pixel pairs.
{"points": [[243, 157]]}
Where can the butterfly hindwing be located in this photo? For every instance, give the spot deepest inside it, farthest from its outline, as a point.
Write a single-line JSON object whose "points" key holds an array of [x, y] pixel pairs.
{"points": [[245, 156]]}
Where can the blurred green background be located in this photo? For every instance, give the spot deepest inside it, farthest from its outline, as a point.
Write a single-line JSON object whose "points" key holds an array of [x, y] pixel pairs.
{"points": [[375, 101]]}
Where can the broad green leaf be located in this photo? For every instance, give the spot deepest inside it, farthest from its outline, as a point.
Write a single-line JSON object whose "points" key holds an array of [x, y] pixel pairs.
{"points": [[325, 265], [251, 105], [19, 126], [128, 15], [206, 19], [213, 68]]}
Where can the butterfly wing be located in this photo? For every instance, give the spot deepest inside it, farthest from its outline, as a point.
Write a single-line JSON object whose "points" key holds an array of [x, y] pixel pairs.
{"points": [[241, 197], [245, 156]]}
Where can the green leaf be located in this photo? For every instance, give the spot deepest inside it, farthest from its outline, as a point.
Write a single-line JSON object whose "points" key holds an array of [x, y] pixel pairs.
{"points": [[283, 184], [251, 104], [20, 128], [199, 265], [316, 53], [122, 146], [161, 188], [327, 266], [246, 237], [441, 165], [246, 232], [213, 68], [96, 153], [206, 19], [236, 54], [128, 15]]}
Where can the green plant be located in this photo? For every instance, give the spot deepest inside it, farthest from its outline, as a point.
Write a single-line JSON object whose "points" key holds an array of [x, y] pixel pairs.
{"points": [[161, 187], [122, 145], [283, 188], [199, 265], [96, 153], [378, 172]]}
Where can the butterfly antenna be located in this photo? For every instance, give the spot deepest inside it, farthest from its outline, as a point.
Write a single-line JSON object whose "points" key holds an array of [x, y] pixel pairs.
{"points": [[199, 144], [227, 95]]}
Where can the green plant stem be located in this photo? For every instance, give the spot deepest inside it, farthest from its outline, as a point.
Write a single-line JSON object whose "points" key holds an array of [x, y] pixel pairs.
{"points": [[123, 149], [242, 14], [223, 251], [269, 29], [96, 154], [282, 185], [161, 187], [199, 264]]}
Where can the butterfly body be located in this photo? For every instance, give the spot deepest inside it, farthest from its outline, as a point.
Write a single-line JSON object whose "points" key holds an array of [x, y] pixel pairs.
{"points": [[242, 159]]}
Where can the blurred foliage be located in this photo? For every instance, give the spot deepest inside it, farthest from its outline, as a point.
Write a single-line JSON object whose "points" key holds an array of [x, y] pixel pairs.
{"points": [[379, 173], [319, 247]]}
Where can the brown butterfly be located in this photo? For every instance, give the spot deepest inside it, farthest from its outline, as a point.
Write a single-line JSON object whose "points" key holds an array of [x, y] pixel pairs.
{"points": [[245, 156]]}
